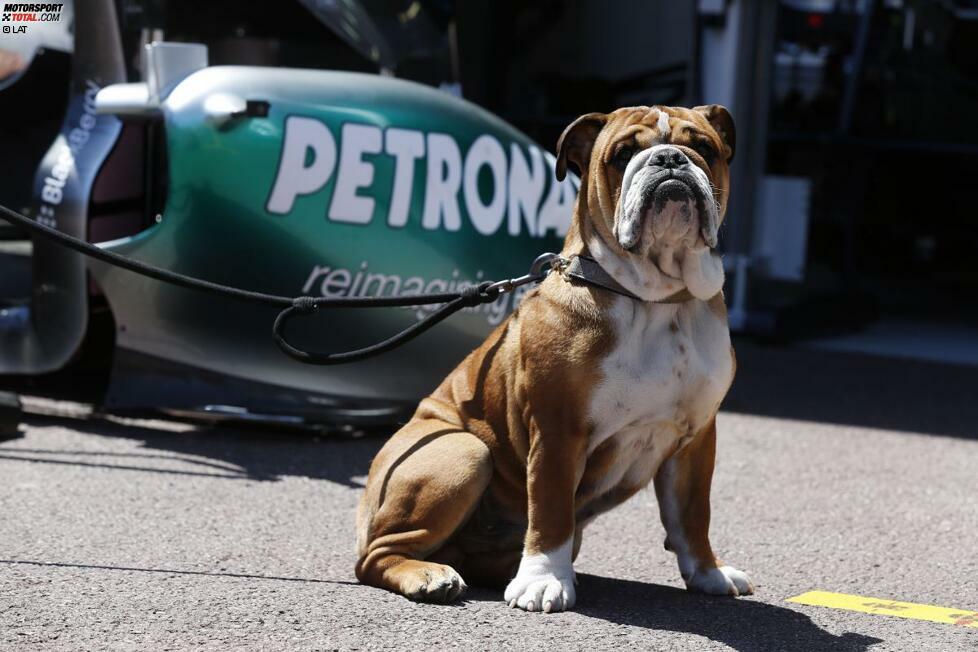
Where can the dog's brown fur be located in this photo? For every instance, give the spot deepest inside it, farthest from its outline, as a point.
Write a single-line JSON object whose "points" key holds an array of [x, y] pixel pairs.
{"points": [[494, 464]]}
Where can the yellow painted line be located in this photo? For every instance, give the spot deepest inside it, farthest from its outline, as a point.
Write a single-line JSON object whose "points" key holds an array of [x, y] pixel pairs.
{"points": [[960, 617]]}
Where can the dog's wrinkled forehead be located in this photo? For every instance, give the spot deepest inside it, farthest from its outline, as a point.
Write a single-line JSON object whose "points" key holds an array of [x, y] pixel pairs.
{"points": [[700, 132], [646, 125]]}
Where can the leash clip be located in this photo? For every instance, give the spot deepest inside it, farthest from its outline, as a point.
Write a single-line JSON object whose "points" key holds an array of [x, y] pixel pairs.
{"points": [[542, 265]]}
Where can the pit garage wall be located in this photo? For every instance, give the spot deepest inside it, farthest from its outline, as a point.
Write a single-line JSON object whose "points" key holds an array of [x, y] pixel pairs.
{"points": [[604, 42], [734, 70], [728, 45]]}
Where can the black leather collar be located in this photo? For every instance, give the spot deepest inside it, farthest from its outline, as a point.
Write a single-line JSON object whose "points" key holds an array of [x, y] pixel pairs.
{"points": [[587, 270]]}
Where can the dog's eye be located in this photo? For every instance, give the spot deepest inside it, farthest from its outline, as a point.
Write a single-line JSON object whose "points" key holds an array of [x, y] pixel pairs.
{"points": [[623, 156], [705, 150]]}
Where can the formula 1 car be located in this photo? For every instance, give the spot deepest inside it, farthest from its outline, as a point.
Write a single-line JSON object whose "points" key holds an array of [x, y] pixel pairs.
{"points": [[278, 180]]}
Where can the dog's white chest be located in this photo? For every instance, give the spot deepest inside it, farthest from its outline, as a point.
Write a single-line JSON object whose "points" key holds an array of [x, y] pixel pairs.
{"points": [[670, 368]]}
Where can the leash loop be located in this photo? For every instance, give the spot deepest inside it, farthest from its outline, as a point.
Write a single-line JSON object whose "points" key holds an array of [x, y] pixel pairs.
{"points": [[467, 298]]}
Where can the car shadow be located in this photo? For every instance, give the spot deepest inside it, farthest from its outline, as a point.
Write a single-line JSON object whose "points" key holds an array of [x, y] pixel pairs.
{"points": [[741, 623], [221, 452]]}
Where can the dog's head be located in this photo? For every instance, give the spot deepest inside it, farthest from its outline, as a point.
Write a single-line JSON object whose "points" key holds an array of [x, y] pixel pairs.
{"points": [[654, 183]]}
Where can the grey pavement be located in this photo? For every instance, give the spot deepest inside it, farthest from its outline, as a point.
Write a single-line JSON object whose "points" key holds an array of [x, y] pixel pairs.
{"points": [[847, 474]]}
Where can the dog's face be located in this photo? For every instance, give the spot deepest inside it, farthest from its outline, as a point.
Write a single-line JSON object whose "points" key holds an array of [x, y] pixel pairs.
{"points": [[652, 178]]}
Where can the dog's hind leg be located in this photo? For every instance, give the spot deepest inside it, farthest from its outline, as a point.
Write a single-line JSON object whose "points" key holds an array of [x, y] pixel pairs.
{"points": [[424, 485]]}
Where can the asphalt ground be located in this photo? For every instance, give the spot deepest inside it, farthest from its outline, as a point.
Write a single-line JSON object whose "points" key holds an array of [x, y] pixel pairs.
{"points": [[836, 472]]}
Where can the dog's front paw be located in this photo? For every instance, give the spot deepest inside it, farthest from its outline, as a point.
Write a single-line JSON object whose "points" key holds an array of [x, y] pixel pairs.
{"points": [[545, 592], [725, 580]]}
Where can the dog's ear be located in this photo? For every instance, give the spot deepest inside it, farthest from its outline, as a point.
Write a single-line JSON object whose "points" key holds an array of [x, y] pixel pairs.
{"points": [[574, 145], [722, 121]]}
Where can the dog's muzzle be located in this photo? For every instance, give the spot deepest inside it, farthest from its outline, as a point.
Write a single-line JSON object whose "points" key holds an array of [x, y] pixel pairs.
{"points": [[662, 185]]}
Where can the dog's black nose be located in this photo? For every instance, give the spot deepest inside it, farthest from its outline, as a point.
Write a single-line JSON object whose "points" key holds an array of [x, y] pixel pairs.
{"points": [[669, 158]]}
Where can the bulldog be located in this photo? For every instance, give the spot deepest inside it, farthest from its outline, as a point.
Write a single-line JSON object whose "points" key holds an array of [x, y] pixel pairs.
{"points": [[602, 381]]}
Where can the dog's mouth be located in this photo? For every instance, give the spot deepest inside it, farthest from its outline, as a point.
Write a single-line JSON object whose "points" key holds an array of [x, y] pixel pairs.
{"points": [[669, 211], [673, 190]]}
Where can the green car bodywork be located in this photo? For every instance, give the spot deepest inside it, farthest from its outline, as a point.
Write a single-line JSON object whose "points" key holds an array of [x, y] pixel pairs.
{"points": [[327, 184]]}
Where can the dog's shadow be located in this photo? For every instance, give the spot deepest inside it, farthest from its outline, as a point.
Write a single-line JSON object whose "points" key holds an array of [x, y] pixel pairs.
{"points": [[741, 623]]}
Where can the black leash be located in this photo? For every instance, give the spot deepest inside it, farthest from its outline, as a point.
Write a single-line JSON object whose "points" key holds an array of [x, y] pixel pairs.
{"points": [[485, 292]]}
